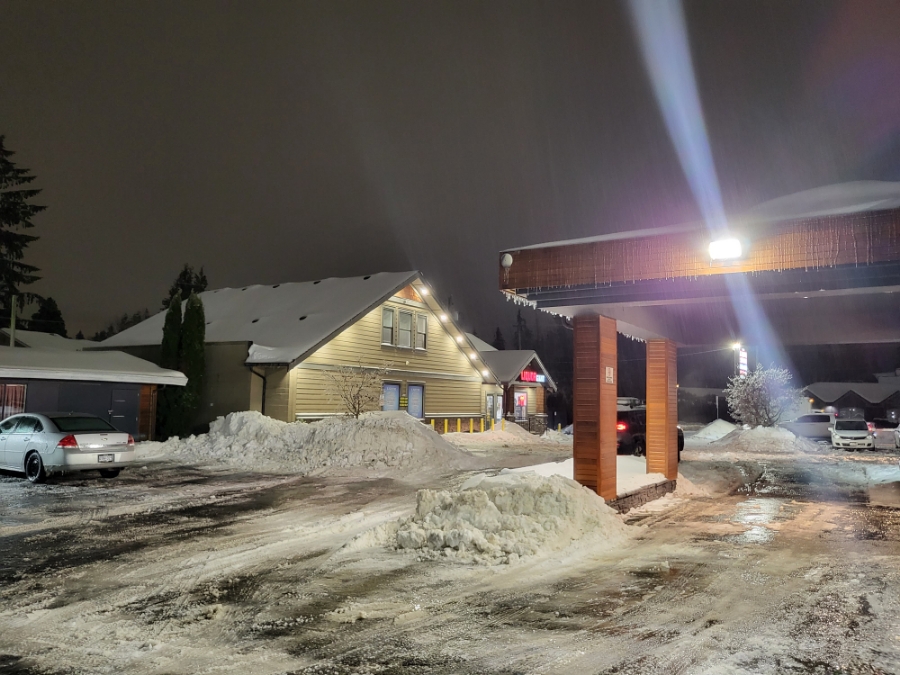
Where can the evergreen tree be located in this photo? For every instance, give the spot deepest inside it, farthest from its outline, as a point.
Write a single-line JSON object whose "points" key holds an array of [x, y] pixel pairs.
{"points": [[48, 318], [192, 360], [79, 335], [168, 407], [120, 324], [499, 342], [186, 283], [15, 215]]}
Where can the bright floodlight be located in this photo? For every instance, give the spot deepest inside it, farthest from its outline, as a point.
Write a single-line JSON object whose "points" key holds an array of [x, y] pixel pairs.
{"points": [[725, 249], [736, 345]]}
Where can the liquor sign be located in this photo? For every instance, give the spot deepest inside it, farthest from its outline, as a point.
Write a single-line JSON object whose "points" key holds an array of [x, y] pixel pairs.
{"points": [[742, 363], [541, 378], [528, 376]]}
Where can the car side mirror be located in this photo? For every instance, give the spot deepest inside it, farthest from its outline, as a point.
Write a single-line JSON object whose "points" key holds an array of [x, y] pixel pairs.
{"points": [[830, 428]]}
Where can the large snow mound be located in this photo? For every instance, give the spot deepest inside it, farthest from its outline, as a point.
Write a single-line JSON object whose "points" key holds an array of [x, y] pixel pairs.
{"points": [[513, 436], [376, 442], [714, 431], [504, 518], [765, 440]]}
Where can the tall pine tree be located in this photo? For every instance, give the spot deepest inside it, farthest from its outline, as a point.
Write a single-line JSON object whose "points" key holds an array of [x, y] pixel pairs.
{"points": [[48, 318], [188, 281], [16, 213], [168, 408], [192, 360]]}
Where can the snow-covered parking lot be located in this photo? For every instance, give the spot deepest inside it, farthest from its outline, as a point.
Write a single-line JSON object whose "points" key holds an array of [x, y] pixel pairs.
{"points": [[213, 557]]}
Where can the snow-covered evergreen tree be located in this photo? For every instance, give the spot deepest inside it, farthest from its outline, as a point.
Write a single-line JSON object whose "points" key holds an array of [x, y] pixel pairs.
{"points": [[763, 398]]}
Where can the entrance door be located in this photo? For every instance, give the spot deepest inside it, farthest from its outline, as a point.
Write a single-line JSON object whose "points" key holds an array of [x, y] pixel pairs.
{"points": [[415, 404], [123, 408], [390, 395], [490, 406], [521, 406]]}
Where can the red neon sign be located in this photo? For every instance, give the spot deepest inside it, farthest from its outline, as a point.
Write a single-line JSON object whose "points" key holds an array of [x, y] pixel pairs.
{"points": [[528, 376]]}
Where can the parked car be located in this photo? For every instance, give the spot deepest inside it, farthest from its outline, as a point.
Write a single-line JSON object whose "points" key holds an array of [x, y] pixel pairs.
{"points": [[852, 435], [631, 430], [884, 430], [812, 425], [40, 444], [897, 438]]}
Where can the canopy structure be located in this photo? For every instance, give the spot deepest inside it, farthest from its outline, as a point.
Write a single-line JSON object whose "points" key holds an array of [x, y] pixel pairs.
{"points": [[817, 267]]}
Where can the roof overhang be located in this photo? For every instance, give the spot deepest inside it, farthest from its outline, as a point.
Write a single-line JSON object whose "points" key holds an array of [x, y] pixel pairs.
{"points": [[823, 280]]}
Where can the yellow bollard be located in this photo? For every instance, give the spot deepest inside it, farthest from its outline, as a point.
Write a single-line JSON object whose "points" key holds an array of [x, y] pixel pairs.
{"points": [[559, 427], [445, 425], [458, 425], [482, 425], [492, 425], [432, 425], [503, 425], [471, 425]]}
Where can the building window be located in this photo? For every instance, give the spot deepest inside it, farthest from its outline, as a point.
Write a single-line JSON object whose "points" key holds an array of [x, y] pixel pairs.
{"points": [[12, 399], [387, 326], [421, 331], [405, 339]]}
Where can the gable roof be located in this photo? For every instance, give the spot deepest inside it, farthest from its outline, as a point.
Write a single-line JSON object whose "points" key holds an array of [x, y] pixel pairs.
{"points": [[508, 364], [282, 322], [38, 340], [480, 344], [58, 364], [830, 392]]}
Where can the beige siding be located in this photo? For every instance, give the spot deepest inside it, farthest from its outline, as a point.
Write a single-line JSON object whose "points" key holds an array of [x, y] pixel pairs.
{"points": [[453, 386], [227, 381]]}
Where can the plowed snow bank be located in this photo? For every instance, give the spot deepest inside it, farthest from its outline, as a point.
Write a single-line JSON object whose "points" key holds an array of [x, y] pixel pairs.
{"points": [[500, 519], [762, 440], [378, 443]]}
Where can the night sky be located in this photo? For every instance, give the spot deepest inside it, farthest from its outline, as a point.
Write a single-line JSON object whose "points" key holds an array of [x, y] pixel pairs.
{"points": [[288, 141]]}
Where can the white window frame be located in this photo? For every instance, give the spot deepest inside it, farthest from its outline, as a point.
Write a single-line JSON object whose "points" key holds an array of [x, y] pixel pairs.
{"points": [[385, 312], [400, 330], [423, 333]]}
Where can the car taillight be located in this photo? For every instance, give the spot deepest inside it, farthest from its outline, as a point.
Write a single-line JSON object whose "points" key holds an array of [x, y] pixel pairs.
{"points": [[870, 426], [67, 442], [621, 426], [131, 440]]}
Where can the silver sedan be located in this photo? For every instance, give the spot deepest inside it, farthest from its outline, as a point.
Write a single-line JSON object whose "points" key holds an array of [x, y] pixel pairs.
{"points": [[40, 444]]}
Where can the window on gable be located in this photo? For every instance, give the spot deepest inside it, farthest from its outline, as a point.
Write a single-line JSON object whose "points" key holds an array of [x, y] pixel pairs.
{"points": [[405, 339], [421, 330], [387, 326]]}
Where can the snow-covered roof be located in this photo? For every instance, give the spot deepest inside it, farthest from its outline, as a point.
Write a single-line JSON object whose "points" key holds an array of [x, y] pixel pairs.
{"points": [[480, 344], [282, 322], [38, 340], [508, 364], [827, 200], [58, 364], [870, 391]]}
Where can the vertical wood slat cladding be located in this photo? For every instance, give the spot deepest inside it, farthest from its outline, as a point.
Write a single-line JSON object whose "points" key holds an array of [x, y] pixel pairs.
{"points": [[857, 239], [147, 413], [662, 408], [594, 445]]}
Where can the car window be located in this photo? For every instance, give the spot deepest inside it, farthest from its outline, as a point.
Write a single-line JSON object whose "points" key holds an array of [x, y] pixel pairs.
{"points": [[821, 418], [38, 427], [851, 425], [9, 425], [81, 424], [26, 425], [803, 419]]}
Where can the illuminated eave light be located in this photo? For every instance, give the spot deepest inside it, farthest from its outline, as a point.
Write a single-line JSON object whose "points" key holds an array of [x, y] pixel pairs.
{"points": [[443, 317], [459, 339], [423, 291], [725, 249], [473, 355], [484, 373]]}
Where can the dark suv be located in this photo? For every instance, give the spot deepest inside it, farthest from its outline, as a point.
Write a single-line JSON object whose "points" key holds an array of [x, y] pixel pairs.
{"points": [[631, 428]]}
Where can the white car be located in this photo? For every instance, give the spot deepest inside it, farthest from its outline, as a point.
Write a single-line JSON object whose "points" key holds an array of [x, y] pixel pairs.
{"points": [[812, 425], [852, 435], [40, 444], [897, 438]]}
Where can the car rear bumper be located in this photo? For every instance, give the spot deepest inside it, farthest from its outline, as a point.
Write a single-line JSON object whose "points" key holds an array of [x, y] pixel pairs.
{"points": [[80, 460]]}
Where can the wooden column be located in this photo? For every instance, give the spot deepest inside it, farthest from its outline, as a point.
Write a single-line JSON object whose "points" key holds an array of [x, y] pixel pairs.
{"points": [[662, 408], [594, 447]]}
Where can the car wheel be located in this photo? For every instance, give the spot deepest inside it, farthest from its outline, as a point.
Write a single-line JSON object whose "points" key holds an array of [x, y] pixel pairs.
{"points": [[638, 450], [109, 473], [34, 468]]}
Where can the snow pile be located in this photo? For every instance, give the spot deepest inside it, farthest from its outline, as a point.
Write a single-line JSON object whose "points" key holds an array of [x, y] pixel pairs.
{"points": [[766, 440], [631, 472], [714, 431], [511, 437], [377, 442], [503, 518], [555, 436]]}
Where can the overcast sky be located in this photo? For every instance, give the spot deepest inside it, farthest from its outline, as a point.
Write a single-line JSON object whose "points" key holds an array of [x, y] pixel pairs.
{"points": [[289, 141]]}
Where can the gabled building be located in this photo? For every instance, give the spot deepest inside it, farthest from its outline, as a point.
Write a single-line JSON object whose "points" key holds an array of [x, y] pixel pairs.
{"points": [[873, 400], [270, 349], [524, 383], [38, 340]]}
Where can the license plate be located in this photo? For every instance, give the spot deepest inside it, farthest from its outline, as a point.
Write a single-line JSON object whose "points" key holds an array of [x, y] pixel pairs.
{"points": [[106, 458]]}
